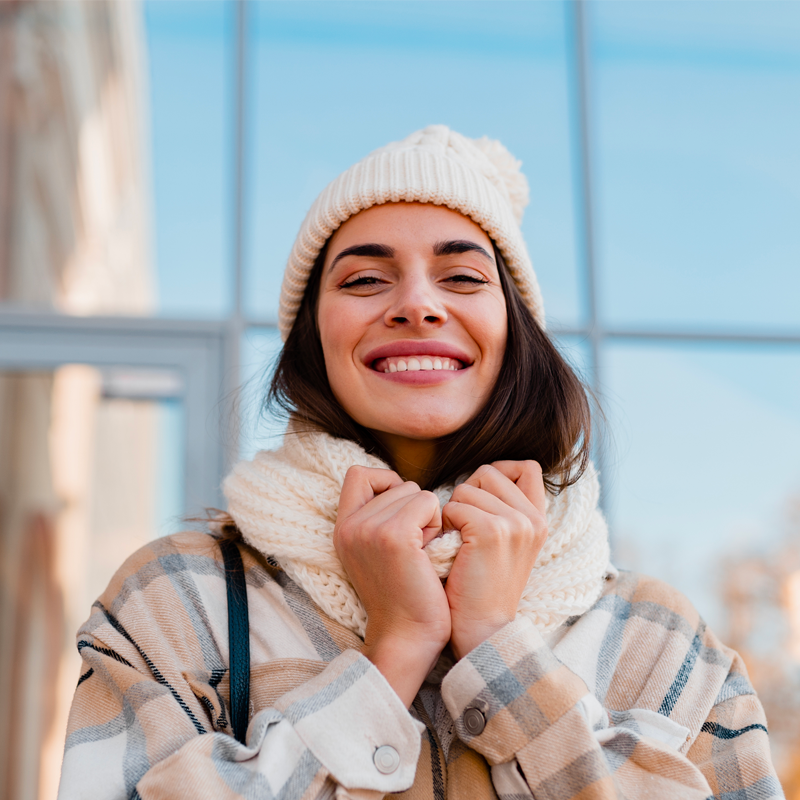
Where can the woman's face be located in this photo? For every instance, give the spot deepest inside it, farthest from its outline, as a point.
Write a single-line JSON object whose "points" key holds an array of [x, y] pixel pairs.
{"points": [[412, 319]]}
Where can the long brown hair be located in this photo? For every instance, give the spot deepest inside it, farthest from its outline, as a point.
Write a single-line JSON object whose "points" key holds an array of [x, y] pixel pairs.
{"points": [[538, 408]]}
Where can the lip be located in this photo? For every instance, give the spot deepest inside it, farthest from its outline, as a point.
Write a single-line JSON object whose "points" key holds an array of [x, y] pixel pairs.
{"points": [[423, 377], [417, 347]]}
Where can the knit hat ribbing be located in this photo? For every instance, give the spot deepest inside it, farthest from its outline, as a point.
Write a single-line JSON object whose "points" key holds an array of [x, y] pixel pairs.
{"points": [[476, 177]]}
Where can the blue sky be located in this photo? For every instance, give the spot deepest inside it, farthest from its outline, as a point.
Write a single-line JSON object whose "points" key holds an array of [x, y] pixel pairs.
{"points": [[697, 176]]}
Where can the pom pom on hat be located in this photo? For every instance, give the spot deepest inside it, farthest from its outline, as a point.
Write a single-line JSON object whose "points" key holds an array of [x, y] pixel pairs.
{"points": [[509, 175], [476, 177]]}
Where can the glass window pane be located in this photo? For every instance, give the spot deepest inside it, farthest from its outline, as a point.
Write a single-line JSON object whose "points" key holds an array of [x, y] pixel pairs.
{"points": [[697, 160], [704, 495], [114, 156], [577, 351], [191, 80], [335, 80], [87, 477], [259, 430]]}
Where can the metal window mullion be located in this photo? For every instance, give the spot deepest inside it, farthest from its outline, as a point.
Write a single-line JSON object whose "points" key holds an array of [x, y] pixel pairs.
{"points": [[582, 105], [46, 342], [239, 124], [230, 422], [204, 444]]}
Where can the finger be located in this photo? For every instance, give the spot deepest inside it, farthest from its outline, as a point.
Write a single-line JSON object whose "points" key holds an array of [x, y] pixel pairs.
{"points": [[362, 484], [488, 501], [364, 520], [465, 517], [420, 511], [527, 475], [382, 501], [434, 527], [424, 511], [489, 479]]}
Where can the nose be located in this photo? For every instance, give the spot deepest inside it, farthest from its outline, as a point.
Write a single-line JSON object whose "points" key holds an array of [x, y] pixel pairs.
{"points": [[414, 303]]}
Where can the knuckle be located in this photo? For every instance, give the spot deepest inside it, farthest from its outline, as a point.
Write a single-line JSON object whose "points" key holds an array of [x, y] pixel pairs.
{"points": [[483, 470], [464, 492], [533, 466], [382, 535], [496, 528], [520, 522], [538, 521], [346, 529], [385, 537]]}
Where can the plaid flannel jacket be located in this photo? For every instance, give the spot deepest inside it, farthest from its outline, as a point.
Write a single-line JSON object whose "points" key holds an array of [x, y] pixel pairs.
{"points": [[634, 699]]}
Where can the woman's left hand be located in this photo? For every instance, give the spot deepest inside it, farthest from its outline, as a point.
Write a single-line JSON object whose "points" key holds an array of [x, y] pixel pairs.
{"points": [[500, 512]]}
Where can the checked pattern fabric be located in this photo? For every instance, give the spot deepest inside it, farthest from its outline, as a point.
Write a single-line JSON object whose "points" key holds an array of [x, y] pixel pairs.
{"points": [[635, 698]]}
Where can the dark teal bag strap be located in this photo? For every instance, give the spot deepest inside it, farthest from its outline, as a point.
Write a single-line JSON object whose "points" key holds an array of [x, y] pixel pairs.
{"points": [[238, 638]]}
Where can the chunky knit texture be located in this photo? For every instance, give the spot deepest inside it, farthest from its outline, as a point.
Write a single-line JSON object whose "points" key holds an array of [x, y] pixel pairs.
{"points": [[477, 177], [286, 502]]}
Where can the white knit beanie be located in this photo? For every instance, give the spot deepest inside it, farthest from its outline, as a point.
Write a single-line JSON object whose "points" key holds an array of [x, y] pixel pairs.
{"points": [[477, 177]]}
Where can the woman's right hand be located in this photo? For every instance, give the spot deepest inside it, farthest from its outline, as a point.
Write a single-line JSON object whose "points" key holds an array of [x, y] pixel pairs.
{"points": [[382, 527]]}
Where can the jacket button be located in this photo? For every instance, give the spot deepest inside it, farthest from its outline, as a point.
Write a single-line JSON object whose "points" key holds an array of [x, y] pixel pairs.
{"points": [[474, 721], [386, 759]]}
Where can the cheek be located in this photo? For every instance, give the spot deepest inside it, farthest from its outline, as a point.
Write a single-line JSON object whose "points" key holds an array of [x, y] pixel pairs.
{"points": [[492, 334], [330, 335], [339, 337], [499, 334], [337, 347], [498, 352]]}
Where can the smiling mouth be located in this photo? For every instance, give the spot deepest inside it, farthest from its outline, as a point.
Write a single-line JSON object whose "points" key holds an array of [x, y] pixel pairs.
{"points": [[421, 363]]}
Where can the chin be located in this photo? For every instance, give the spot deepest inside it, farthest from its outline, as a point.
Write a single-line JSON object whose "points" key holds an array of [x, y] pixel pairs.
{"points": [[425, 429]]}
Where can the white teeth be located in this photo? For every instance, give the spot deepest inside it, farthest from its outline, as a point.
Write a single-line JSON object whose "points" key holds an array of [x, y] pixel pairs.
{"points": [[420, 363]]}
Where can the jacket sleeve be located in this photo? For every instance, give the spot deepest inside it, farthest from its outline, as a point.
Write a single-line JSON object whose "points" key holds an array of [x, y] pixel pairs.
{"points": [[137, 730], [546, 736]]}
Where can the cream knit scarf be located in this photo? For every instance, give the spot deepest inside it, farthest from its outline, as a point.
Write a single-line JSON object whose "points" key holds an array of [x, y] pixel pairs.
{"points": [[285, 503]]}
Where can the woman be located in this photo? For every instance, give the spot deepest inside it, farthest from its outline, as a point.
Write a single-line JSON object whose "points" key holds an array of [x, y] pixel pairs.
{"points": [[432, 610]]}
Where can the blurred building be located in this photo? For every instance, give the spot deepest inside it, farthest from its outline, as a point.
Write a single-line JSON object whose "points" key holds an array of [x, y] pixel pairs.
{"points": [[761, 594], [75, 238]]}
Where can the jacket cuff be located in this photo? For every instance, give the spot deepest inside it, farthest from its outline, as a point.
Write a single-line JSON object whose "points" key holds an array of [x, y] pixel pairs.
{"points": [[508, 690], [354, 723]]}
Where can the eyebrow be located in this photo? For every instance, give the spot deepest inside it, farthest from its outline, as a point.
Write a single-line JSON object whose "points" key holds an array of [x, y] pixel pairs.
{"points": [[371, 250], [449, 247], [454, 247]]}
